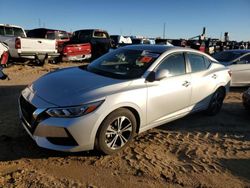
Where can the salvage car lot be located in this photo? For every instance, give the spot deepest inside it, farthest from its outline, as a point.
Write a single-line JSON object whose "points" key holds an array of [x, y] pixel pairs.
{"points": [[196, 151]]}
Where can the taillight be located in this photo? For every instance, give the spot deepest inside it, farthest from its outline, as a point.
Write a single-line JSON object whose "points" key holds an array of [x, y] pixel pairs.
{"points": [[230, 73], [18, 43]]}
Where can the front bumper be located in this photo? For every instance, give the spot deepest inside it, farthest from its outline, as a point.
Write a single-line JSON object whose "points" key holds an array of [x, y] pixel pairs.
{"points": [[62, 134]]}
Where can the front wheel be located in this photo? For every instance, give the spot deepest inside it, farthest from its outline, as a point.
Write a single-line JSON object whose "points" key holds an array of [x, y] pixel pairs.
{"points": [[116, 131], [216, 102]]}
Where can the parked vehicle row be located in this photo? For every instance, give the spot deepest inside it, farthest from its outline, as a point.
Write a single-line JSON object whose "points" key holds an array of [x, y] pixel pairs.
{"points": [[125, 92]]}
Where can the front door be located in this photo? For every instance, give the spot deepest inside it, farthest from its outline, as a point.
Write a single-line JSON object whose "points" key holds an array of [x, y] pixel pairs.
{"points": [[171, 95]]}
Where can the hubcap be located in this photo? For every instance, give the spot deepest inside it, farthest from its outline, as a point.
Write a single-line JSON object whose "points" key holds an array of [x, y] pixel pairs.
{"points": [[118, 132]]}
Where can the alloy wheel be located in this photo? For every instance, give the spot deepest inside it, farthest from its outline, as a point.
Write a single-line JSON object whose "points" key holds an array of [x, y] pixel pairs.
{"points": [[118, 132]]}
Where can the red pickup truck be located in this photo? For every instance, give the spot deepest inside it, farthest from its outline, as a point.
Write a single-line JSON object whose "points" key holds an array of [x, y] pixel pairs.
{"points": [[76, 52]]}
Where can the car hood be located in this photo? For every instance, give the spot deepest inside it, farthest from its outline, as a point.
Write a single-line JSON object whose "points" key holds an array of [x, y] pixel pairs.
{"points": [[74, 86]]}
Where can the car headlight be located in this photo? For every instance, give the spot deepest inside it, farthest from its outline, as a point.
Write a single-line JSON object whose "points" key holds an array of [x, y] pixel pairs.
{"points": [[74, 111]]}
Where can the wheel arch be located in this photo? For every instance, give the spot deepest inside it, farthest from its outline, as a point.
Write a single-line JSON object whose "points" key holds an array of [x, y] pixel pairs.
{"points": [[129, 108]]}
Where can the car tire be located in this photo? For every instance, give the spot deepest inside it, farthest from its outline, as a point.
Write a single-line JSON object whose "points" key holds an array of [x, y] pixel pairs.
{"points": [[216, 102], [116, 131]]}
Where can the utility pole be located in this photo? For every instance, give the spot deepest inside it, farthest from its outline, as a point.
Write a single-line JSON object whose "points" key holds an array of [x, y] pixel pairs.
{"points": [[164, 30]]}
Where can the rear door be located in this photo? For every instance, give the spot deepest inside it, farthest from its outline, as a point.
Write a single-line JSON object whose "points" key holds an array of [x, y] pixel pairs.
{"points": [[169, 97], [204, 80]]}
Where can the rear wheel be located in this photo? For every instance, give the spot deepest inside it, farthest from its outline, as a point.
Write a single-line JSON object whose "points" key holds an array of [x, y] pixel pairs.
{"points": [[216, 102], [116, 131]]}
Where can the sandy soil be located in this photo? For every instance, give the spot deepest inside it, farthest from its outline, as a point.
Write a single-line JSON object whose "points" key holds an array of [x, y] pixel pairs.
{"points": [[195, 151]]}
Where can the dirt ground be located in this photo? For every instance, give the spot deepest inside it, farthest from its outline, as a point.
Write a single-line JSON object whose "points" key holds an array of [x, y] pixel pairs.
{"points": [[195, 151]]}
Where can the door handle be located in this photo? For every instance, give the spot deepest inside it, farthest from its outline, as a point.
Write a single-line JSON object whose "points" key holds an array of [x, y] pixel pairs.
{"points": [[186, 83], [39, 41], [214, 76]]}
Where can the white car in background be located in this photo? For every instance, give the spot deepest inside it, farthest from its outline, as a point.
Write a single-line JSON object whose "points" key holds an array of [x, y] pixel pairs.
{"points": [[4, 54], [238, 61], [122, 93]]}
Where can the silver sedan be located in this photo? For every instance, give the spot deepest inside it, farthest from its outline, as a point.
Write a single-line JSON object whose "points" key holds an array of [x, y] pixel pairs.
{"points": [[125, 92]]}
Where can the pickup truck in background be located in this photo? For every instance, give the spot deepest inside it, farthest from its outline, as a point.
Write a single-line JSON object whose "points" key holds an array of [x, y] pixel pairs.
{"points": [[59, 35], [99, 41], [76, 52], [29, 48]]}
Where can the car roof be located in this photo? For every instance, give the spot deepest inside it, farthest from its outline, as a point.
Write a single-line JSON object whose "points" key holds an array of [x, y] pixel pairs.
{"points": [[154, 48]]}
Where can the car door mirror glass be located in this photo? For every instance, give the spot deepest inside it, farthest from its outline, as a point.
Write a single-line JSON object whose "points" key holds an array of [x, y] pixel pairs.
{"points": [[161, 74]]}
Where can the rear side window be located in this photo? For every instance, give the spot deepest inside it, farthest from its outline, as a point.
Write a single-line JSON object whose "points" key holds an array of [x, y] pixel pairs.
{"points": [[51, 35], [85, 35], [197, 62], [100, 34], [175, 64]]}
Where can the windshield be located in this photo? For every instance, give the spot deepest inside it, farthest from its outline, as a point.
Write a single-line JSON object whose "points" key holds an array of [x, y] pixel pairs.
{"points": [[227, 56], [123, 63]]}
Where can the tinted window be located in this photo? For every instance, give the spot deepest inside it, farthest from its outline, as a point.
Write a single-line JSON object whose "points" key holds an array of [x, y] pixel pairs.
{"points": [[85, 35], [175, 64], [100, 34], [51, 35], [196, 62], [9, 31], [1, 30]]}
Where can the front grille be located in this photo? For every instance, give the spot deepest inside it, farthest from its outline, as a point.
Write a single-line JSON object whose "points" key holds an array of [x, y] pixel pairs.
{"points": [[27, 110]]}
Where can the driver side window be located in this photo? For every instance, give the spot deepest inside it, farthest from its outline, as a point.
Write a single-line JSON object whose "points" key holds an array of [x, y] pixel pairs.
{"points": [[175, 64]]}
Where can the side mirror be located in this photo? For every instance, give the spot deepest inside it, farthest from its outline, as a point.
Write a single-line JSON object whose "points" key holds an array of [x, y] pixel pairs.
{"points": [[161, 74]]}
